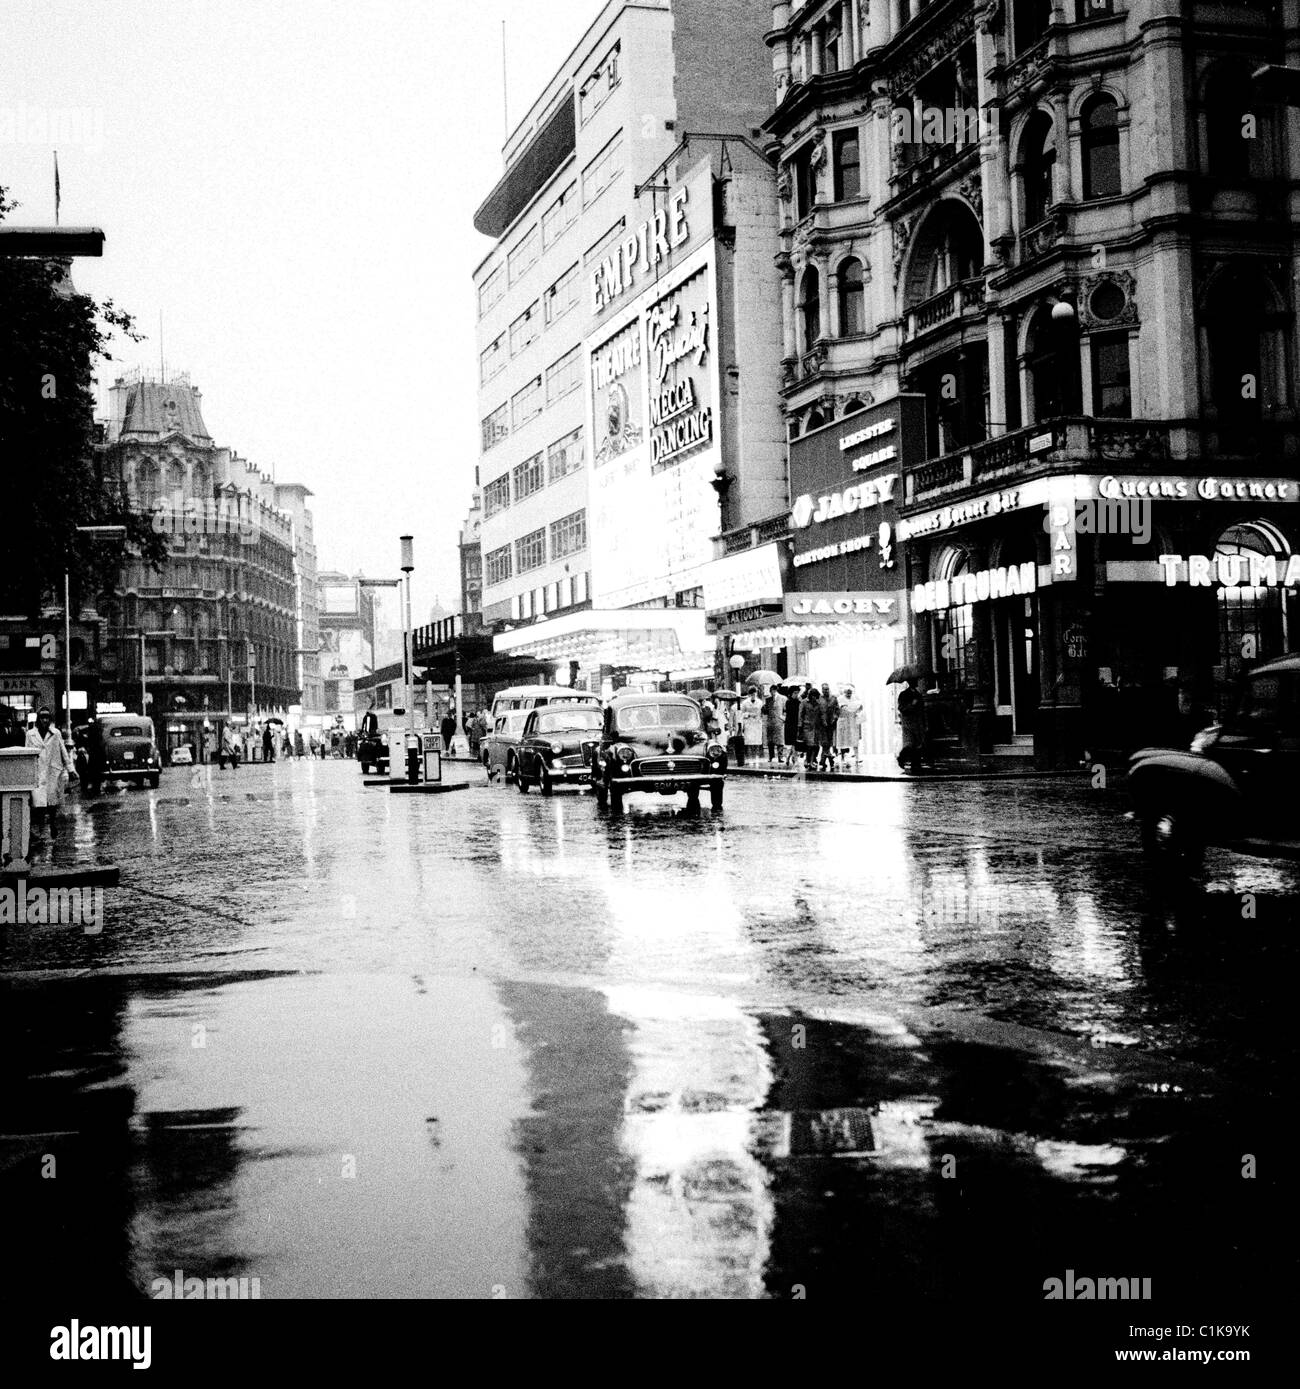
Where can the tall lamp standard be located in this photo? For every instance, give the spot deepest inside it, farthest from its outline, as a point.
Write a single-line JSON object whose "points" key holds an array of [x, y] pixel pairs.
{"points": [[106, 533], [407, 565]]}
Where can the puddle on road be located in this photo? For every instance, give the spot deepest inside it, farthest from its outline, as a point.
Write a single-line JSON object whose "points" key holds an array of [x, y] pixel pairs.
{"points": [[339, 1136]]}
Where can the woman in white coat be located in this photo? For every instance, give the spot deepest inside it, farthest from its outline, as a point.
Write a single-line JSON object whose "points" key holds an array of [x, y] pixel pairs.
{"points": [[54, 766], [848, 727]]}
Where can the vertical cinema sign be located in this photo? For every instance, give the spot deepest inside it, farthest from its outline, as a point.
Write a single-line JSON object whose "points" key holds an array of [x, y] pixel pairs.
{"points": [[678, 342]]}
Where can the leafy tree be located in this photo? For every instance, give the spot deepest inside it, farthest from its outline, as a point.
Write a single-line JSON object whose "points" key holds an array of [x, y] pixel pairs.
{"points": [[51, 475]]}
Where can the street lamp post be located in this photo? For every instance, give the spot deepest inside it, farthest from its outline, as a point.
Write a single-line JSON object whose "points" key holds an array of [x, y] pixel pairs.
{"points": [[107, 532], [407, 565]]}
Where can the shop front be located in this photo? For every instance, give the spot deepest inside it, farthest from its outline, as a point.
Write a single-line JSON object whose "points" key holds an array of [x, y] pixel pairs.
{"points": [[845, 616], [744, 593], [1085, 613]]}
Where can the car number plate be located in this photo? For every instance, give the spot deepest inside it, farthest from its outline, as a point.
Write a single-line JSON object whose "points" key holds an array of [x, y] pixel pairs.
{"points": [[128, 756]]}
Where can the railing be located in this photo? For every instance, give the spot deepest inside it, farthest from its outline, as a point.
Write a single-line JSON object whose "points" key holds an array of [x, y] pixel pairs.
{"points": [[947, 471], [749, 537], [945, 306]]}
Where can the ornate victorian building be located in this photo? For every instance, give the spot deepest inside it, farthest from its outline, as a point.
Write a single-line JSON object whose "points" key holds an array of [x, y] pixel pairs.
{"points": [[216, 633], [1071, 228]]}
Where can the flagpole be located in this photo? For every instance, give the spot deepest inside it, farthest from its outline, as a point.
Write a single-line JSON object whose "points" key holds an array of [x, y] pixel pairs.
{"points": [[57, 191]]}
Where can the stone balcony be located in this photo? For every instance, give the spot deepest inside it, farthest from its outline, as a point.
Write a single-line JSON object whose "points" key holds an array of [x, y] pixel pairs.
{"points": [[949, 305], [1091, 443]]}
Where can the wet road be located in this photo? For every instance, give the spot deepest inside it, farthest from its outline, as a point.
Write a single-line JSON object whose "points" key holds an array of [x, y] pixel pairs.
{"points": [[901, 1039]]}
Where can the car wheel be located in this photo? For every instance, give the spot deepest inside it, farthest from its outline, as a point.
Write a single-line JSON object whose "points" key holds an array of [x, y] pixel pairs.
{"points": [[1171, 842], [509, 774], [544, 783], [521, 780], [615, 800], [602, 797], [153, 781], [715, 797], [693, 800]]}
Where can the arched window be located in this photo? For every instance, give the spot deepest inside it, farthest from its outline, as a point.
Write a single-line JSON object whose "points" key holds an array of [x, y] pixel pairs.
{"points": [[852, 300], [1101, 148], [1253, 623], [1037, 167], [1053, 360], [810, 307], [1244, 335], [812, 421], [949, 248], [854, 406], [954, 629], [147, 485]]}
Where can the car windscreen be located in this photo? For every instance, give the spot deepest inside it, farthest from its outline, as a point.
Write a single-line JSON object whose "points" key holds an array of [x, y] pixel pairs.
{"points": [[639, 718], [128, 731], [1268, 701], [569, 721]]}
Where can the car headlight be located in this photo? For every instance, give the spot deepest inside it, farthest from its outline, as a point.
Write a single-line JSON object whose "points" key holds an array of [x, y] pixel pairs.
{"points": [[557, 748], [624, 753], [714, 750]]}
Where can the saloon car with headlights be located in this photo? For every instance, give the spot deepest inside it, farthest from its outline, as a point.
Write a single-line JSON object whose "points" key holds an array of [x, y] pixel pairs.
{"points": [[555, 747], [656, 744], [1237, 784]]}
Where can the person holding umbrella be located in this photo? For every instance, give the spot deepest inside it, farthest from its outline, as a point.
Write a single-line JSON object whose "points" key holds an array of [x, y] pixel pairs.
{"points": [[912, 717]]}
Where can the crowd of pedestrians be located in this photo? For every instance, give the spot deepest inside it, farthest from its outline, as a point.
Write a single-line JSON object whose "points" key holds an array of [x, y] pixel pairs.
{"points": [[792, 725]]}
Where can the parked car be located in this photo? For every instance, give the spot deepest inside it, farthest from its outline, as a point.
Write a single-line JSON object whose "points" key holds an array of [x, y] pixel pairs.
{"points": [[501, 744], [556, 745], [181, 756], [656, 743], [120, 747], [1236, 785], [372, 744]]}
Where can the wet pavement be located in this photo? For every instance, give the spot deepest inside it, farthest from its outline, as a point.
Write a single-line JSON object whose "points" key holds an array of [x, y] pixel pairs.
{"points": [[886, 1040]]}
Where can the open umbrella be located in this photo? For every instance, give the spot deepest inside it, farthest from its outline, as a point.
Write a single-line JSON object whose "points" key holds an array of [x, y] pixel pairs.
{"points": [[274, 719], [909, 672], [764, 677], [724, 694], [699, 694]]}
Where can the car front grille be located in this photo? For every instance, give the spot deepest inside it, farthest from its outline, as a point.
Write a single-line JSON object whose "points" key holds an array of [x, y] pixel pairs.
{"points": [[659, 766]]}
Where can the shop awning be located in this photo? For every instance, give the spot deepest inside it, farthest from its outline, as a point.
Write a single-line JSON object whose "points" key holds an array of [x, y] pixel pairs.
{"points": [[641, 638]]}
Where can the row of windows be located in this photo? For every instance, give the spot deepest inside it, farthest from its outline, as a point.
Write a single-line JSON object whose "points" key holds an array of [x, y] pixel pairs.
{"points": [[561, 378], [541, 236], [850, 288], [564, 456], [568, 536], [527, 328]]}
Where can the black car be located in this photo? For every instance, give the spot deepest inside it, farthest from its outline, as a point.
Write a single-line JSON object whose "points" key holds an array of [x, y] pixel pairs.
{"points": [[656, 743], [1236, 786], [372, 746], [555, 747]]}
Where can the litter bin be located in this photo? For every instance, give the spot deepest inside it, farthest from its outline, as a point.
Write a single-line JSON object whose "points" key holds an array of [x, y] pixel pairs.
{"points": [[18, 772]]}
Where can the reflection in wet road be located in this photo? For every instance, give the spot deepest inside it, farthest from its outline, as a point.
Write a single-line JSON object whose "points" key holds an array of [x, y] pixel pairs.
{"points": [[889, 1039]]}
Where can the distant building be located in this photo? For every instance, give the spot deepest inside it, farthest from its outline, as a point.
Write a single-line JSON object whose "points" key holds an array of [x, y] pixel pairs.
{"points": [[471, 569], [291, 497], [216, 632], [346, 625]]}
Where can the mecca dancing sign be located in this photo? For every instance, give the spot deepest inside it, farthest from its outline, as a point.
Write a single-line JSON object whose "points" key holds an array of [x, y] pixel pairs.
{"points": [[678, 344]]}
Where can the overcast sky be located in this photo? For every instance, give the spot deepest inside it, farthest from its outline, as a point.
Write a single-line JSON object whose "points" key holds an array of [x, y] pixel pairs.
{"points": [[292, 185]]}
